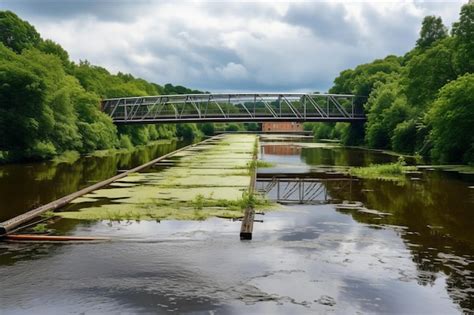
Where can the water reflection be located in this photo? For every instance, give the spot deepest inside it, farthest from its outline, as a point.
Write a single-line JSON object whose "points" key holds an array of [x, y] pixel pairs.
{"points": [[433, 216], [304, 259]]}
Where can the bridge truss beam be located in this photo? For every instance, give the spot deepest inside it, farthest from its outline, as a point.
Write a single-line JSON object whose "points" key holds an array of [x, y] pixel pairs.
{"points": [[243, 107]]}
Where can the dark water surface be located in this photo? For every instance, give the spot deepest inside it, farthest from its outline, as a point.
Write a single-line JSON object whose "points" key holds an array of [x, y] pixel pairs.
{"points": [[418, 258]]}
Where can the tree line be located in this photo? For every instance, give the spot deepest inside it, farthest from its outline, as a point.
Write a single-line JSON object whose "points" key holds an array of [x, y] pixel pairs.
{"points": [[420, 103], [49, 104]]}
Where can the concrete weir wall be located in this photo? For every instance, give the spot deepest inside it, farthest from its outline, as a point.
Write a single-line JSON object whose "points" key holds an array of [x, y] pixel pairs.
{"points": [[199, 181], [13, 223]]}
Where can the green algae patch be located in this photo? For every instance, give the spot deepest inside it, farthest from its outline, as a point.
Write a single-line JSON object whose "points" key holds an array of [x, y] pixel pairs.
{"points": [[391, 172], [207, 180]]}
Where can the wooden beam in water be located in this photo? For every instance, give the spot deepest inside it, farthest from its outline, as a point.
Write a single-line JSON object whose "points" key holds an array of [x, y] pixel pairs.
{"points": [[53, 238], [246, 228]]}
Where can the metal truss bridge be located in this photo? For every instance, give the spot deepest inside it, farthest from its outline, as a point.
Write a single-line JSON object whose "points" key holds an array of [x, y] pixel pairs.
{"points": [[254, 107]]}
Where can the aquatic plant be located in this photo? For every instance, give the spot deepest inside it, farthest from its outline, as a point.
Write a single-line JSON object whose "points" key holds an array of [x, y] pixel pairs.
{"points": [[198, 202], [391, 171], [40, 228], [264, 164], [48, 214]]}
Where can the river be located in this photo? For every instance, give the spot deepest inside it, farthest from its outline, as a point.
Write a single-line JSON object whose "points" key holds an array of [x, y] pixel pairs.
{"points": [[418, 257]]}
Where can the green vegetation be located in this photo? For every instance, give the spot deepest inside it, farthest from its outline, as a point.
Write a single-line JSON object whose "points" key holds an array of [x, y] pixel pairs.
{"points": [[50, 106], [48, 214], [420, 103], [40, 228], [392, 171], [264, 164], [203, 183]]}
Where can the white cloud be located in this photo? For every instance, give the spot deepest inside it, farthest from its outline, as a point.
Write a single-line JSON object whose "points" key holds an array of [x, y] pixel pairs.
{"points": [[263, 45]]}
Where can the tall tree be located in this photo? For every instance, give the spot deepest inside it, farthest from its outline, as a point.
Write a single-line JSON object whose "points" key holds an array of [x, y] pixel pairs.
{"points": [[432, 30], [16, 33], [452, 119], [463, 32]]}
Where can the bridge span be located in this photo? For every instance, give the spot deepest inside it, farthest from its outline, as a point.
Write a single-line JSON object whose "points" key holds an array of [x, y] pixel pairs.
{"points": [[234, 107]]}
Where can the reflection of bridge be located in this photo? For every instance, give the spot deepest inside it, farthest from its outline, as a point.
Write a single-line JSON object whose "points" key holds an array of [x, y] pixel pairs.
{"points": [[258, 107], [304, 188]]}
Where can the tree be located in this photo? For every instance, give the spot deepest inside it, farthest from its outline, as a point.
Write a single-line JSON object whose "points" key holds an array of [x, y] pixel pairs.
{"points": [[188, 131], [361, 81], [452, 119], [404, 137], [432, 30], [463, 32], [232, 127], [16, 33], [386, 108], [50, 47], [207, 128], [428, 71]]}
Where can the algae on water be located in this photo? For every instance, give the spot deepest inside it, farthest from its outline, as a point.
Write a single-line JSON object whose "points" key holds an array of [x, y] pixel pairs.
{"points": [[207, 180], [392, 171]]}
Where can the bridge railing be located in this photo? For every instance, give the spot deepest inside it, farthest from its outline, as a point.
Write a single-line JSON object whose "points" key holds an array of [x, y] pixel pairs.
{"points": [[234, 107]]}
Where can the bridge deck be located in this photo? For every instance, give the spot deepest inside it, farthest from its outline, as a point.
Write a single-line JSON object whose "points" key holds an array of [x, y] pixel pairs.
{"points": [[257, 107]]}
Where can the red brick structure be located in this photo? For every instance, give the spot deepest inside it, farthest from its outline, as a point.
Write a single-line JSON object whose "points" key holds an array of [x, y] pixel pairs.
{"points": [[282, 126]]}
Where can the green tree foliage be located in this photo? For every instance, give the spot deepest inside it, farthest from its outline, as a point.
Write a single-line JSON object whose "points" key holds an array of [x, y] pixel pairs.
{"points": [[16, 33], [233, 127], [49, 105], [169, 89], [432, 30], [427, 72], [452, 121], [463, 32], [323, 130], [207, 129], [420, 103], [50, 47], [404, 137], [361, 81], [188, 131], [252, 126], [45, 111]]}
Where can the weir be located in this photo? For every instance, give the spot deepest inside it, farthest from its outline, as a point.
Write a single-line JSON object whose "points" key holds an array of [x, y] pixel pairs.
{"points": [[10, 225]]}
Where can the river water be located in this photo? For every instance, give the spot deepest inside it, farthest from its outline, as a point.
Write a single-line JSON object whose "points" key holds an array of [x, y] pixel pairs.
{"points": [[418, 257]]}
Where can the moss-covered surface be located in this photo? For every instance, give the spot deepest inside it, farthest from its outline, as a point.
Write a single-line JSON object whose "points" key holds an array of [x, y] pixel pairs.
{"points": [[207, 180]]}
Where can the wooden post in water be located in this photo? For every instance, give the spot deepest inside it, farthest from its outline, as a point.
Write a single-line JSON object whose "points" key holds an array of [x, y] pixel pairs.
{"points": [[246, 228]]}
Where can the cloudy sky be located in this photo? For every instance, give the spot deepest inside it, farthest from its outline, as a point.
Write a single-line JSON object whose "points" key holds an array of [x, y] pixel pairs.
{"points": [[232, 46]]}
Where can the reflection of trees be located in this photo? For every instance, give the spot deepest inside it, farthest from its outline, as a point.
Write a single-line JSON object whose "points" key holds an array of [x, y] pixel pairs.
{"points": [[25, 186], [437, 214], [343, 157]]}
